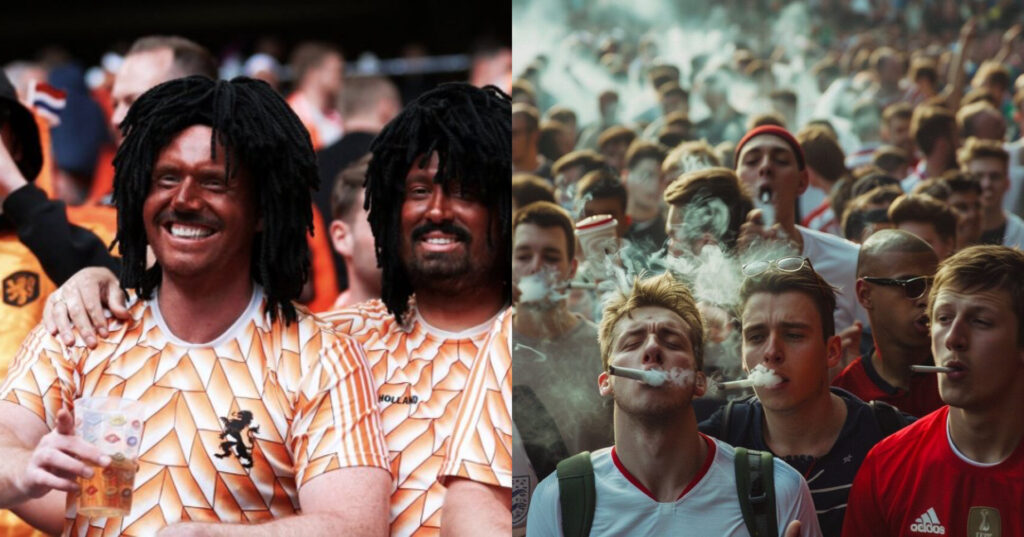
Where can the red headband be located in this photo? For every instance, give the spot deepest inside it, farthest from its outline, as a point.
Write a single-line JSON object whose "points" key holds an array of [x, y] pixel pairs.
{"points": [[774, 131]]}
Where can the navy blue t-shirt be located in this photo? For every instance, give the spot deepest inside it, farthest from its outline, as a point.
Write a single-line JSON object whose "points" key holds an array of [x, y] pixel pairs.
{"points": [[829, 477]]}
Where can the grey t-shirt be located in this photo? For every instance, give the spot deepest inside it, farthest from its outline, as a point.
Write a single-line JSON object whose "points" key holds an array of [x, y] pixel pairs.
{"points": [[562, 374]]}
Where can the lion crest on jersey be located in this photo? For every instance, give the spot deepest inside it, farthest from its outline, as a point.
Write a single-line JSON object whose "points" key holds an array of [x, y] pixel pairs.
{"points": [[238, 429]]}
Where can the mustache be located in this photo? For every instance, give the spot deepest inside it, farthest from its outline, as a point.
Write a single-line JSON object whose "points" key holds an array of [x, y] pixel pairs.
{"points": [[170, 215], [449, 228]]}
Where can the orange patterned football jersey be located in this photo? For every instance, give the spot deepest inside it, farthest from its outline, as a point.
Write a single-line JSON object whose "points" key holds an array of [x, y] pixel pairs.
{"points": [[481, 447], [421, 373], [232, 428]]}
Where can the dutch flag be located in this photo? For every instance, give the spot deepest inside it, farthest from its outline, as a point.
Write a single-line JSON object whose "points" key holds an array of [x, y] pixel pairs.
{"points": [[47, 101]]}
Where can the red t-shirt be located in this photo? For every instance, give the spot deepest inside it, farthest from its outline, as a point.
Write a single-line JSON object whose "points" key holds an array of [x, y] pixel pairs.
{"points": [[861, 379], [915, 483]]}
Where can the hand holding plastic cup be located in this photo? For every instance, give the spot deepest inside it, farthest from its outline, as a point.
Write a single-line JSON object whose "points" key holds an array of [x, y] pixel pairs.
{"points": [[114, 425]]}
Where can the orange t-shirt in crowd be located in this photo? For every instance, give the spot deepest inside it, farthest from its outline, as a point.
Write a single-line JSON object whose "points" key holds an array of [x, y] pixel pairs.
{"points": [[321, 261], [481, 447], [324, 129], [299, 397], [421, 373], [23, 290], [98, 218], [103, 175]]}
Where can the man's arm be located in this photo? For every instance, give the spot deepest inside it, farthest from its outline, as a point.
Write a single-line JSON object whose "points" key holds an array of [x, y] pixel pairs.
{"points": [[347, 501], [43, 227], [472, 508]]}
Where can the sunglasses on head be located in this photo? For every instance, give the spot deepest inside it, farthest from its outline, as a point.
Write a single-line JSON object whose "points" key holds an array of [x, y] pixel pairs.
{"points": [[784, 264], [914, 288]]}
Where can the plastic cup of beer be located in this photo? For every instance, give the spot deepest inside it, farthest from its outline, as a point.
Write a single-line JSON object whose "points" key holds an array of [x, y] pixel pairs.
{"points": [[114, 425]]}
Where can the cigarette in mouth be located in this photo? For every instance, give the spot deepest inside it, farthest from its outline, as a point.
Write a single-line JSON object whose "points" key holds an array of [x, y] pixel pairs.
{"points": [[650, 377], [736, 384], [931, 369]]}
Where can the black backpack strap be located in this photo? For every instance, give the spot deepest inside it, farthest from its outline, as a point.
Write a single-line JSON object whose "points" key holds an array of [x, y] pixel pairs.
{"points": [[577, 494], [755, 486], [888, 417], [723, 434]]}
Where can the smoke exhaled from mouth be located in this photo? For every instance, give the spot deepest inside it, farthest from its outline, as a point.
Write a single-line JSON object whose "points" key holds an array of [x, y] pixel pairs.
{"points": [[540, 287], [760, 376]]}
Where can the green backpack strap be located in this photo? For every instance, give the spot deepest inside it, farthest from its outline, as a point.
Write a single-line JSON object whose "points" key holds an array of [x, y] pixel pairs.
{"points": [[577, 494], [755, 486], [888, 417]]}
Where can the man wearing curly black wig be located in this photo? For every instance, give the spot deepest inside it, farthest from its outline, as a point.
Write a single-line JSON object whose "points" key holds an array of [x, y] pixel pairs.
{"points": [[438, 193], [439, 200], [256, 416]]}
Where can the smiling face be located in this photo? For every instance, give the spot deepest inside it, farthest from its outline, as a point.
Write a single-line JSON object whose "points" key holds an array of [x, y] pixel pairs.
{"points": [[652, 337], [976, 333], [445, 233], [783, 331], [199, 221]]}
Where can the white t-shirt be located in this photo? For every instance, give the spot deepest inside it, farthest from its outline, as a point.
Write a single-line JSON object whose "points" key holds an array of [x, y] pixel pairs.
{"points": [[1014, 234], [835, 258], [709, 506]]}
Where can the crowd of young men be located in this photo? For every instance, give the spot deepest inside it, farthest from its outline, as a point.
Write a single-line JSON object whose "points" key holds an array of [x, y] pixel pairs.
{"points": [[835, 238]]}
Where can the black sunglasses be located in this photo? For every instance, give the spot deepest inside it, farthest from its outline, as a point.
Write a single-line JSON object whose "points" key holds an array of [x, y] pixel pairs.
{"points": [[914, 288]]}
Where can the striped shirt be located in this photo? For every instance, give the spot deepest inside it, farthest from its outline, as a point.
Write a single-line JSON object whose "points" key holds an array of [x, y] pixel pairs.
{"points": [[299, 397], [829, 477], [421, 373], [481, 447]]}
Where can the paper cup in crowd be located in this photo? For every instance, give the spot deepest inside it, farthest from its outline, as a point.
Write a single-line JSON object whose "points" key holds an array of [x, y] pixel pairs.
{"points": [[115, 426], [597, 239]]}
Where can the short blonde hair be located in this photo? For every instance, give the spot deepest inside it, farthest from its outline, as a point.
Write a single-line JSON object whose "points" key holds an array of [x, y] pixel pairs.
{"points": [[661, 291], [984, 268]]}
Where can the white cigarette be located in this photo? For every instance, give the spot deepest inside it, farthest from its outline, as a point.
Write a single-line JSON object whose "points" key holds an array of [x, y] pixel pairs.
{"points": [[580, 285], [650, 377], [736, 384], [931, 369]]}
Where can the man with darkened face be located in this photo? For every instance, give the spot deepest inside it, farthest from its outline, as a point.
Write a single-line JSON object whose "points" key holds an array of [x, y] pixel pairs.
{"points": [[226, 216], [439, 207]]}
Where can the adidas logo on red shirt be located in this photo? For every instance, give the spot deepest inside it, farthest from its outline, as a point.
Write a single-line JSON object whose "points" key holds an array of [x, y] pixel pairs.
{"points": [[928, 523]]}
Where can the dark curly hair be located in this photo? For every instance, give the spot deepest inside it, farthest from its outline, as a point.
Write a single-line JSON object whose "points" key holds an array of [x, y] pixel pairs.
{"points": [[261, 135]]}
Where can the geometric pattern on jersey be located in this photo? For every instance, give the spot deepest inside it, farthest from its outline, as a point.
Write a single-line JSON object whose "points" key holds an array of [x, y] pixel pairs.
{"points": [[306, 387], [420, 373], [481, 447]]}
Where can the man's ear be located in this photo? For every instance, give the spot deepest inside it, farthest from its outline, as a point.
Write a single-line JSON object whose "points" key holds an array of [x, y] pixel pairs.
{"points": [[805, 180], [572, 267], [833, 351], [341, 238], [863, 292], [604, 384]]}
